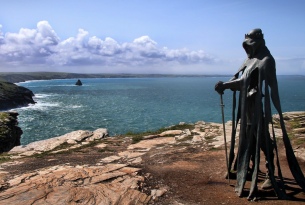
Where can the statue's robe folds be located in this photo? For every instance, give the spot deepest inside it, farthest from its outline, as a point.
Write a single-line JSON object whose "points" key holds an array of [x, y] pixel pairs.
{"points": [[261, 71]]}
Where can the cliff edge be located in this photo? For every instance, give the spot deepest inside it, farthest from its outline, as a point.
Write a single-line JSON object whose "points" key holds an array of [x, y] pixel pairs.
{"points": [[13, 96]]}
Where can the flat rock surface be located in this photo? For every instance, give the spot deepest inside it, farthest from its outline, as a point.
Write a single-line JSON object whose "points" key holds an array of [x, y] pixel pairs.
{"points": [[80, 184], [152, 142]]}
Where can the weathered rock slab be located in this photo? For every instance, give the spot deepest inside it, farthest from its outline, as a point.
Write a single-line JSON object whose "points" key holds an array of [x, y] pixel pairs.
{"points": [[152, 142], [70, 138], [110, 184]]}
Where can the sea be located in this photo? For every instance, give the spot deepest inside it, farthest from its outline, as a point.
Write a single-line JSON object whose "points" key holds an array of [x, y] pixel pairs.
{"points": [[133, 104]]}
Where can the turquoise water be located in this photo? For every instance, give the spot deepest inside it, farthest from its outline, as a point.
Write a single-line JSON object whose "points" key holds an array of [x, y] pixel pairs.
{"points": [[138, 104]]}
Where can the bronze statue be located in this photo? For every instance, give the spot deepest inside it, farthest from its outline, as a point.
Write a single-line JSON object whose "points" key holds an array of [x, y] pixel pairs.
{"points": [[258, 76]]}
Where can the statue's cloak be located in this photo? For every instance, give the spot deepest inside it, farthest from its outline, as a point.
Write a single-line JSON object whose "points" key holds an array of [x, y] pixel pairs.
{"points": [[259, 73]]}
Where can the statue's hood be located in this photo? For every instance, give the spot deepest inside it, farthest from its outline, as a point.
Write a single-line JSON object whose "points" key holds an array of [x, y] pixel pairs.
{"points": [[253, 46]]}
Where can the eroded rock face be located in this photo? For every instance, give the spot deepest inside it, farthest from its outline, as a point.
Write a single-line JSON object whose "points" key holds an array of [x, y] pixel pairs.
{"points": [[13, 96], [10, 133]]}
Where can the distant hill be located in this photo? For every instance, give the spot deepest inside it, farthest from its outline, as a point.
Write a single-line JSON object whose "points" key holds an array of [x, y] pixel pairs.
{"points": [[25, 76]]}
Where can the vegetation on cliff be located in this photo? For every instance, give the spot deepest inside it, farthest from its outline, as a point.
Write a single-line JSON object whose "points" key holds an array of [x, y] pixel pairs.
{"points": [[12, 96]]}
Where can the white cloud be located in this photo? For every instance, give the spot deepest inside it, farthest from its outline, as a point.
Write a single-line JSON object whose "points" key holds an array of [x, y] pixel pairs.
{"points": [[43, 46], [29, 46]]}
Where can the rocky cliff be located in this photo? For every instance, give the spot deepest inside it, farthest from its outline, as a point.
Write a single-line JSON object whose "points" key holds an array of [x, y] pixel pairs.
{"points": [[179, 165], [12, 96], [10, 133]]}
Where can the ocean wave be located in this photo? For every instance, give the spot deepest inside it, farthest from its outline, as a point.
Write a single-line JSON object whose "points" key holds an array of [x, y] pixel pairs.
{"points": [[68, 85], [29, 81], [74, 106], [42, 95], [38, 106]]}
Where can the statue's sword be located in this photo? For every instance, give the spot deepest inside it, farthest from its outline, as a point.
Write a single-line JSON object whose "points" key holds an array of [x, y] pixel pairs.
{"points": [[224, 134]]}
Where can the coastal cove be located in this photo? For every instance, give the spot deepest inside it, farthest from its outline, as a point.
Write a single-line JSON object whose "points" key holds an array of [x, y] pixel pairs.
{"points": [[132, 104]]}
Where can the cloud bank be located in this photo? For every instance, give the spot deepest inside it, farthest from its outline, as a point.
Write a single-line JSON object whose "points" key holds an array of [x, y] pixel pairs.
{"points": [[42, 46]]}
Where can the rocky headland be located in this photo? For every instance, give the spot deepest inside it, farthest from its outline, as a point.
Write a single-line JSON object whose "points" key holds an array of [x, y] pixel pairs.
{"points": [[182, 164], [13, 96]]}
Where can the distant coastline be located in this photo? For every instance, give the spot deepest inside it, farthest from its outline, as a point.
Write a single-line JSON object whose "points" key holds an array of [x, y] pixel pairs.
{"points": [[29, 76], [18, 77]]}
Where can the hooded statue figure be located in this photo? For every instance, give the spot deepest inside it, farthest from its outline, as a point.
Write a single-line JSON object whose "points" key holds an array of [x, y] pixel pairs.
{"points": [[256, 85]]}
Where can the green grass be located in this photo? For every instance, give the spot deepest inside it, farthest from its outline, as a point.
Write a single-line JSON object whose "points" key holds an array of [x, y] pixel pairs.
{"points": [[276, 124], [64, 145], [214, 127], [133, 134], [300, 114], [299, 141], [295, 123], [105, 150], [209, 137], [291, 136], [136, 139], [3, 115], [3, 132], [214, 149], [181, 144], [4, 159], [182, 127], [3, 128]]}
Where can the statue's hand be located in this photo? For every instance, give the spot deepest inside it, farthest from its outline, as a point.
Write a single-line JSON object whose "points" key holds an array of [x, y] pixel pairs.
{"points": [[219, 87]]}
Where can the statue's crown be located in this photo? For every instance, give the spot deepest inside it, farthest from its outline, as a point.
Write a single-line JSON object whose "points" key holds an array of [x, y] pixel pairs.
{"points": [[255, 34]]}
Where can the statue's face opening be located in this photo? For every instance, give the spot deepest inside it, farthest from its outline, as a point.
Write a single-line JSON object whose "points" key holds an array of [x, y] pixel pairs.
{"points": [[249, 51], [253, 46]]}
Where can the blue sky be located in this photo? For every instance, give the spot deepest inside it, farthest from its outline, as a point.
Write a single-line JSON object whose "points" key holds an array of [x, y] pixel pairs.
{"points": [[179, 37]]}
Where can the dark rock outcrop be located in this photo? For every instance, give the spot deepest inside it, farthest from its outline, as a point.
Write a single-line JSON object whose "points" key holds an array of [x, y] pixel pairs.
{"points": [[10, 133], [78, 82], [13, 96]]}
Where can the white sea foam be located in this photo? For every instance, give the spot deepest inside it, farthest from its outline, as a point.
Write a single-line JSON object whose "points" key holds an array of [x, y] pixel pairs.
{"points": [[38, 106], [74, 106], [42, 95], [60, 85], [46, 104], [30, 81]]}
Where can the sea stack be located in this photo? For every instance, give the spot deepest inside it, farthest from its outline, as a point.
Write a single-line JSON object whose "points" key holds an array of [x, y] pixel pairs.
{"points": [[78, 82]]}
